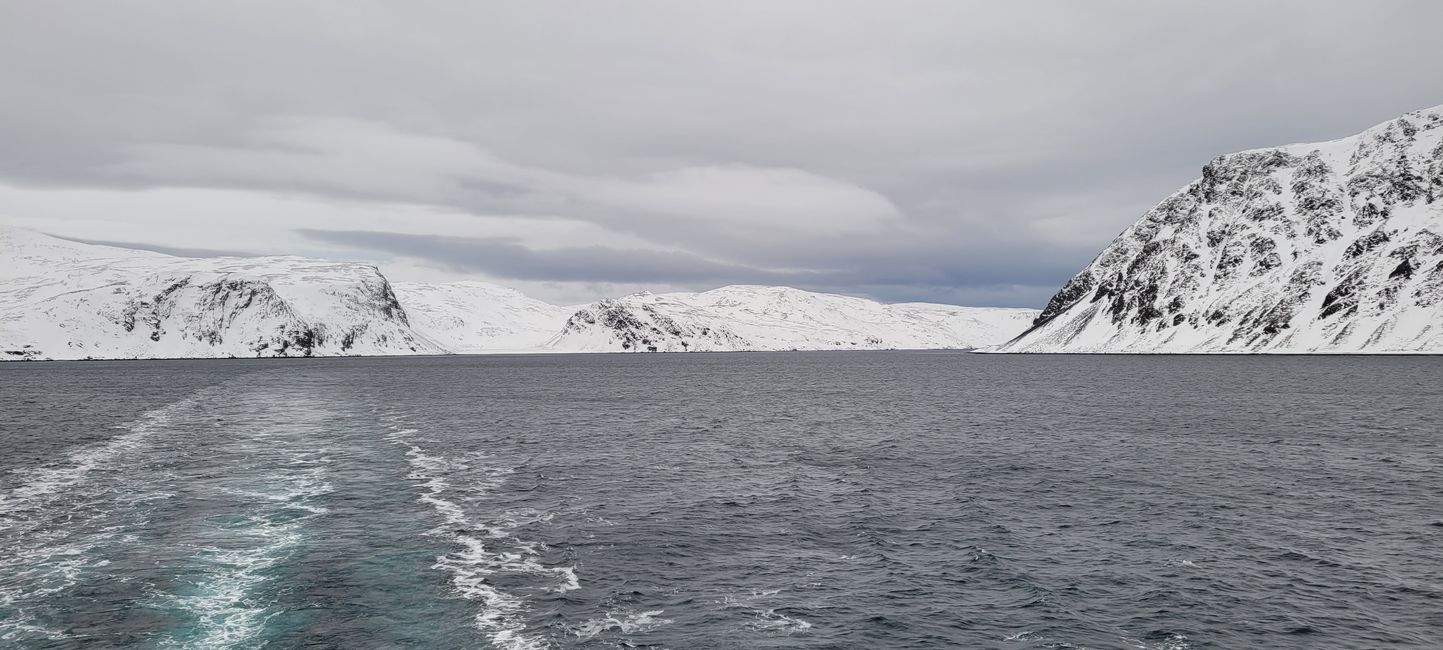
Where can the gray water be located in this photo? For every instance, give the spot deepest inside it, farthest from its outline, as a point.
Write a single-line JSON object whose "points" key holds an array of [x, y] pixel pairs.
{"points": [[859, 500]]}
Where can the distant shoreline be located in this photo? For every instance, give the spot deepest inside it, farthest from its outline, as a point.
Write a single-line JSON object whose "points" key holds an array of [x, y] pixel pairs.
{"points": [[529, 353]]}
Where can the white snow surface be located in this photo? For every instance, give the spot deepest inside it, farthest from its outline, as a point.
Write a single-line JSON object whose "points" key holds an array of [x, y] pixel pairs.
{"points": [[1334, 247], [66, 300], [745, 317], [474, 317]]}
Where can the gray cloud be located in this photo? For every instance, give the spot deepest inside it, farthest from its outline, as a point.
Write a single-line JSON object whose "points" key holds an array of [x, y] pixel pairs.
{"points": [[179, 251], [964, 151], [507, 258], [933, 274]]}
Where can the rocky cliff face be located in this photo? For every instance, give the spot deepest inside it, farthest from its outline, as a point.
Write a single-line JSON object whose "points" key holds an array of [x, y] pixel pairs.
{"points": [[63, 300], [739, 318], [634, 324], [1329, 247]]}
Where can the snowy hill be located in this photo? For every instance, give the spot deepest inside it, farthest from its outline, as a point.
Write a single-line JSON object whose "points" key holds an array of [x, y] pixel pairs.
{"points": [[779, 318], [474, 317], [66, 300], [1330, 247]]}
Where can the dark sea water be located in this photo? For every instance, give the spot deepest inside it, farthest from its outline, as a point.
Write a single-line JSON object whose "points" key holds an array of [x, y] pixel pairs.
{"points": [[832, 500]]}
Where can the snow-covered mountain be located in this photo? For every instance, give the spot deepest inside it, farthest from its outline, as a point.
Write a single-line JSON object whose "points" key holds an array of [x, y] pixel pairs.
{"points": [[1330, 247], [66, 300], [61, 299], [743, 317], [473, 317]]}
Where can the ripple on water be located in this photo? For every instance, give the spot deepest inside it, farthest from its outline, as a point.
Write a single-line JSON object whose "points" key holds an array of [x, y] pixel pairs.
{"points": [[58, 525], [623, 621], [763, 613], [482, 548], [1122, 503], [219, 596]]}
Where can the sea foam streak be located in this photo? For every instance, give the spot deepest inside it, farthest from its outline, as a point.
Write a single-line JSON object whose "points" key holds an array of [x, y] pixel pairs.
{"points": [[42, 485], [267, 483], [765, 618], [473, 559], [38, 562], [626, 622], [222, 606]]}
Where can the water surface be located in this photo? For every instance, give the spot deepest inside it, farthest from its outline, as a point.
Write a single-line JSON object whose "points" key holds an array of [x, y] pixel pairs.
{"points": [[786, 500]]}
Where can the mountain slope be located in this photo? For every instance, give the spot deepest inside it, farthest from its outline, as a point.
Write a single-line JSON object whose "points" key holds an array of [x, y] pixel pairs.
{"points": [[778, 318], [65, 300], [474, 317], [1329, 247]]}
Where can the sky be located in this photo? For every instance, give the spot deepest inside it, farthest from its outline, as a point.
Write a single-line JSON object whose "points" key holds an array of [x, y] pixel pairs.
{"points": [[974, 153]]}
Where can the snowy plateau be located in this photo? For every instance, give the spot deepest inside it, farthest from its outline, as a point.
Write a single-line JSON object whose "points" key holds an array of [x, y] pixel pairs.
{"points": [[61, 299], [1334, 247]]}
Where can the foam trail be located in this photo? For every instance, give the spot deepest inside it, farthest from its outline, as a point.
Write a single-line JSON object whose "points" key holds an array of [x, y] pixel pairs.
{"points": [[473, 561], [766, 618], [40, 486], [626, 622], [40, 559], [223, 609], [267, 481]]}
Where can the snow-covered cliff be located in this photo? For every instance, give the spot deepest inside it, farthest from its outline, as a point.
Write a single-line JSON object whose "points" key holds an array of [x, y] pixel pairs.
{"points": [[65, 300], [743, 317], [1330, 247]]}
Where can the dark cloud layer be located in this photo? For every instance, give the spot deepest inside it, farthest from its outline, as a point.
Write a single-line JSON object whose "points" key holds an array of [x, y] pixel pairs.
{"points": [[508, 258], [956, 151], [178, 251], [931, 275]]}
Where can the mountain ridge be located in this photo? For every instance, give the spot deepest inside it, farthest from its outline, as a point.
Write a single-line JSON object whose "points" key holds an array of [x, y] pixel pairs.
{"points": [[67, 300], [763, 318], [61, 299], [1332, 247]]}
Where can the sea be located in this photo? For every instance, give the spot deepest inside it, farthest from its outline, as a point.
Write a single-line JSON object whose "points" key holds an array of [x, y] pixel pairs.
{"points": [[774, 500]]}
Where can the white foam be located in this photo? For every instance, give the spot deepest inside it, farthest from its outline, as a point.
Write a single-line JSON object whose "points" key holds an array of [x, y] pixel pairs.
{"points": [[626, 622], [217, 592], [500, 612], [766, 618], [40, 485], [472, 563], [570, 581], [771, 620], [1175, 642], [222, 605], [17, 629], [40, 562], [39, 571]]}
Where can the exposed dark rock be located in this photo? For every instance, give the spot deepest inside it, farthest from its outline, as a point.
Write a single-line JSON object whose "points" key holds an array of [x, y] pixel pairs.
{"points": [[1243, 250]]}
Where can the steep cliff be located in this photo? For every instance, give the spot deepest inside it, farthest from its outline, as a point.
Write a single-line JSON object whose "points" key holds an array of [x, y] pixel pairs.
{"points": [[1330, 247]]}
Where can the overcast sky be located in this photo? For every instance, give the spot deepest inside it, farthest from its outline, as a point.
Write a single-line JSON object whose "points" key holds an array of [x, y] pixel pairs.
{"points": [[964, 152]]}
